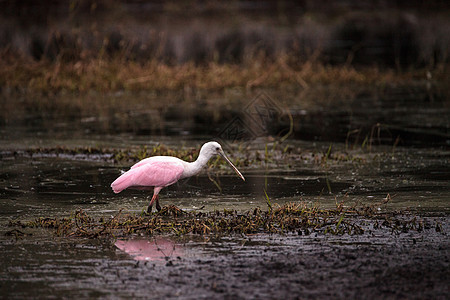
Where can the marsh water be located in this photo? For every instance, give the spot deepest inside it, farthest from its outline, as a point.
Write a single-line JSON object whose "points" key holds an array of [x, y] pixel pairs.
{"points": [[44, 184]]}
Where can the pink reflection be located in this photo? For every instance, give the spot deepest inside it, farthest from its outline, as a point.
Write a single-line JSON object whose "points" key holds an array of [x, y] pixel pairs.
{"points": [[153, 249]]}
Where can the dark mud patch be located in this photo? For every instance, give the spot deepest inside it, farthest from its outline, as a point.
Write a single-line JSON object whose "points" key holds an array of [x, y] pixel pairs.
{"points": [[316, 267], [378, 264]]}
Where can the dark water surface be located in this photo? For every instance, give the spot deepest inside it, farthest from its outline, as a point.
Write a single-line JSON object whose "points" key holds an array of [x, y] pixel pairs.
{"points": [[418, 116], [374, 265], [408, 264], [415, 179]]}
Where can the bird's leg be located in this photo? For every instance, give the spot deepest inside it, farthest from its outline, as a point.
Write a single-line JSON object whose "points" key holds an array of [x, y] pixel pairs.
{"points": [[158, 207], [154, 198], [149, 209]]}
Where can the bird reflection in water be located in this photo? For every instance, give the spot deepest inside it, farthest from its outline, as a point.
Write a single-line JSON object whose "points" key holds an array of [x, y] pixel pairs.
{"points": [[156, 249]]}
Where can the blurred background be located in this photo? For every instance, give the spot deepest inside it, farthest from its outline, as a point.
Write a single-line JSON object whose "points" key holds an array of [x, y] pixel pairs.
{"points": [[342, 70], [397, 34]]}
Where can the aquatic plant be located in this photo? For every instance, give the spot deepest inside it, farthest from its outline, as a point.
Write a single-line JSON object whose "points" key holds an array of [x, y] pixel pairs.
{"points": [[297, 218], [280, 154]]}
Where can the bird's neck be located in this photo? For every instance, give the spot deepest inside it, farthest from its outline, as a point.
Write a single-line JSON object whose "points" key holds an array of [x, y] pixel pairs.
{"points": [[193, 168]]}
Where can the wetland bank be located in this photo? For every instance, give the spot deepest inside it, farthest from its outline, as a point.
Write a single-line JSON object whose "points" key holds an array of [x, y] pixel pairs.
{"points": [[330, 228], [340, 127]]}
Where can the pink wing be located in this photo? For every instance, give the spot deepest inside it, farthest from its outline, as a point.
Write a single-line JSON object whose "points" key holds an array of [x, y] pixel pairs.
{"points": [[152, 173], [143, 162]]}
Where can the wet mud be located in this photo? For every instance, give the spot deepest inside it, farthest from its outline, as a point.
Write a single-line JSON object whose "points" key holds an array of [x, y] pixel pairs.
{"points": [[411, 265]]}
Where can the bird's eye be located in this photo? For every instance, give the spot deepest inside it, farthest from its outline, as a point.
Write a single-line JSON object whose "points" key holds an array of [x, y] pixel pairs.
{"points": [[217, 148]]}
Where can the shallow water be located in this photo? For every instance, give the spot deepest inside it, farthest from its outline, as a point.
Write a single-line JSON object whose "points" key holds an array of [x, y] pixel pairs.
{"points": [[416, 115], [257, 266], [415, 179], [193, 266]]}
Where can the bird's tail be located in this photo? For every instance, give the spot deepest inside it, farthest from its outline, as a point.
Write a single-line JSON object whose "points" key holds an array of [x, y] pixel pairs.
{"points": [[121, 183]]}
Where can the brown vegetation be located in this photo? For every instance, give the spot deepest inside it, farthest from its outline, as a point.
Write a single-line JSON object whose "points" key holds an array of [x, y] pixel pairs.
{"points": [[106, 76], [292, 217]]}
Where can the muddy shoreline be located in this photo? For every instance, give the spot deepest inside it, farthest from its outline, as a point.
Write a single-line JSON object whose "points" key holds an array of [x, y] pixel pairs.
{"points": [[412, 265]]}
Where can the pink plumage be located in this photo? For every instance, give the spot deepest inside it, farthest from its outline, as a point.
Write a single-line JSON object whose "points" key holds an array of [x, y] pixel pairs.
{"points": [[149, 173], [162, 171]]}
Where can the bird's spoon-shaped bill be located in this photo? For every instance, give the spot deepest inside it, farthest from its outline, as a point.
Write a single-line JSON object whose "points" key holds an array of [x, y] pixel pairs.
{"points": [[231, 164]]}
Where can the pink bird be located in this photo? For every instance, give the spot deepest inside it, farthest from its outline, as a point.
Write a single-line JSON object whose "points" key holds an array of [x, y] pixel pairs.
{"points": [[162, 171]]}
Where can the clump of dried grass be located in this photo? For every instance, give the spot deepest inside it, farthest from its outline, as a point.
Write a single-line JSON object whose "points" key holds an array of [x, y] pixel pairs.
{"points": [[292, 217]]}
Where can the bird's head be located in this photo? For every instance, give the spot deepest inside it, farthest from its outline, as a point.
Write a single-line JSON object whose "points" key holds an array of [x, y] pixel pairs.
{"points": [[211, 149]]}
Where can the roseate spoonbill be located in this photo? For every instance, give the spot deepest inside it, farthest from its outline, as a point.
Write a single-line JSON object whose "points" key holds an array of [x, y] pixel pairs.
{"points": [[162, 171]]}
